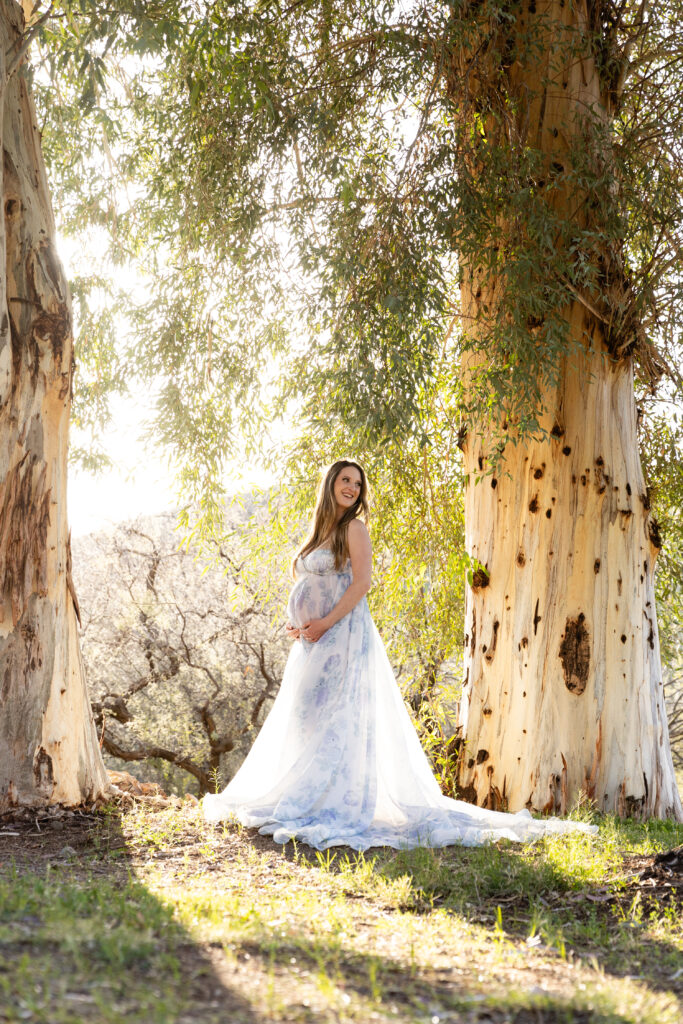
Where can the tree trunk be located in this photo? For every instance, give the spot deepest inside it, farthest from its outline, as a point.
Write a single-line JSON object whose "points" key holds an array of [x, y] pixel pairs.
{"points": [[48, 746], [563, 685]]}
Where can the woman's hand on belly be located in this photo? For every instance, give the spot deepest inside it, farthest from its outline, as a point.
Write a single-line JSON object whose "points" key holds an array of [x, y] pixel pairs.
{"points": [[292, 632], [314, 629]]}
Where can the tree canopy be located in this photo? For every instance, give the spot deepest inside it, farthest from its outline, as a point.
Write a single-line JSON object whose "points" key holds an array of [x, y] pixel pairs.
{"points": [[299, 186]]}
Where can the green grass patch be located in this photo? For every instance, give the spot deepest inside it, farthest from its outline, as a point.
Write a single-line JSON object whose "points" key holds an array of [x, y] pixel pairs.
{"points": [[165, 918], [75, 948]]}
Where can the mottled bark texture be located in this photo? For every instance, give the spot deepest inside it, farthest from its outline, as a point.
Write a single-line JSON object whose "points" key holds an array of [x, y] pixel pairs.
{"points": [[563, 682], [48, 746]]}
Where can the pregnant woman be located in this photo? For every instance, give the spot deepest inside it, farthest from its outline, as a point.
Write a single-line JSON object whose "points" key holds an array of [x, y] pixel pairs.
{"points": [[338, 761]]}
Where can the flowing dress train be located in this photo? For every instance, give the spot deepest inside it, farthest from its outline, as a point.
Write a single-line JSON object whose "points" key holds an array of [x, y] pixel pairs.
{"points": [[338, 761]]}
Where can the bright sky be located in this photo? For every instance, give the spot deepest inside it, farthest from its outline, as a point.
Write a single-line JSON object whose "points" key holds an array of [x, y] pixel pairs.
{"points": [[141, 481]]}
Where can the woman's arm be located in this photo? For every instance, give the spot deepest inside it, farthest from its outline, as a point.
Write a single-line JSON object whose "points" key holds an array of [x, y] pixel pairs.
{"points": [[360, 552]]}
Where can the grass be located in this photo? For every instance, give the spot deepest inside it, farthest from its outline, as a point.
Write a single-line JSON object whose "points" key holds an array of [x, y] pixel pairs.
{"points": [[161, 917]]}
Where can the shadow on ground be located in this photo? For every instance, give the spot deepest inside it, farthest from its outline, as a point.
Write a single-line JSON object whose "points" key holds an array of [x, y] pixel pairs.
{"points": [[83, 940]]}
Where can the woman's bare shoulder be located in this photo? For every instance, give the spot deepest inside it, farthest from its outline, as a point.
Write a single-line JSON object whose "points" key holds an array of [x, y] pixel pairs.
{"points": [[358, 530]]}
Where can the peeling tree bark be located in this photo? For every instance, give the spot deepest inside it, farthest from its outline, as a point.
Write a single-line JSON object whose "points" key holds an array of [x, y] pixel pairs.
{"points": [[563, 683], [48, 746]]}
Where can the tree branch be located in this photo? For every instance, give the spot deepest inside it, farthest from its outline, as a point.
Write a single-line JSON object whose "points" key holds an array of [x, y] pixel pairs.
{"points": [[24, 42], [146, 753]]}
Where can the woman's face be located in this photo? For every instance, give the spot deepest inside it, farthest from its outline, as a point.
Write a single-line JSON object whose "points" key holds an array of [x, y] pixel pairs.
{"points": [[347, 488]]}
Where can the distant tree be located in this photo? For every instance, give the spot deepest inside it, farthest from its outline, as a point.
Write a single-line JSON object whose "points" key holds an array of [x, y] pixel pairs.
{"points": [[182, 665]]}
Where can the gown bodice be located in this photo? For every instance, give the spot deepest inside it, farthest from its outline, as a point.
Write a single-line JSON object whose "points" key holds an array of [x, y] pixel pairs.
{"points": [[319, 562]]}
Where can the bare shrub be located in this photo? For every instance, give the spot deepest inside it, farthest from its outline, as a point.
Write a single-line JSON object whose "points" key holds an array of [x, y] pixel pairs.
{"points": [[183, 662]]}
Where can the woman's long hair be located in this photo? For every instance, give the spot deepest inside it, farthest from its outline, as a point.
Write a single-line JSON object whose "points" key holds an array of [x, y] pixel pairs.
{"points": [[324, 525]]}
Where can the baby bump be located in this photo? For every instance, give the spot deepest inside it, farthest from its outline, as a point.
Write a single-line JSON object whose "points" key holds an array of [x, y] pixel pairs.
{"points": [[312, 597]]}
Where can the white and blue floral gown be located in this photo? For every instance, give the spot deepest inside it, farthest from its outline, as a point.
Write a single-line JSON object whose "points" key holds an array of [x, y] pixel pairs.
{"points": [[338, 761]]}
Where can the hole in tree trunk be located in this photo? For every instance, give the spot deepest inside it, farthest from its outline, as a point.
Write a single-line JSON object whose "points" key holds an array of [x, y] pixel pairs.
{"points": [[42, 771], [480, 579], [575, 654], [654, 533], [494, 640]]}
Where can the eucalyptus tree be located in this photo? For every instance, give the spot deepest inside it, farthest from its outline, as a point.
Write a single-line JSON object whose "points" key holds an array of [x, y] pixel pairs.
{"points": [[48, 744], [564, 674]]}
